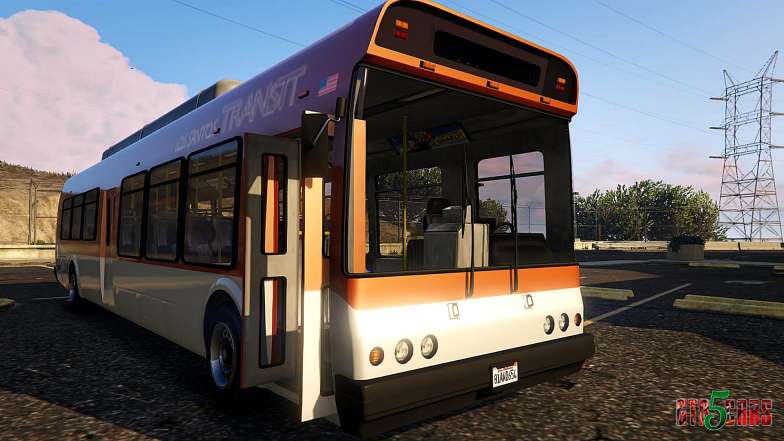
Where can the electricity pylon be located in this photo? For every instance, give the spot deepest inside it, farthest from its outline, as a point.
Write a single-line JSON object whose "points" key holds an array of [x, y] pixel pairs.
{"points": [[748, 203]]}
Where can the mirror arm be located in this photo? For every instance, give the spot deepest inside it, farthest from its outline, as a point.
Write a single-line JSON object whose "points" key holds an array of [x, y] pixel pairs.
{"points": [[340, 112], [330, 118]]}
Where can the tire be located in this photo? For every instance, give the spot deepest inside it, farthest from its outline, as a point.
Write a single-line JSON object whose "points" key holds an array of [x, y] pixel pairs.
{"points": [[74, 299], [222, 340]]}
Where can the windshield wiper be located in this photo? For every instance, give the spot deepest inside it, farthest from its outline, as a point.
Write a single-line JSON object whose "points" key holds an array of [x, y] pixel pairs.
{"points": [[514, 218]]}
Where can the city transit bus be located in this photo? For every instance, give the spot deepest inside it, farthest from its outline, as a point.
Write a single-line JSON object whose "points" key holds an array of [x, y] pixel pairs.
{"points": [[378, 229]]}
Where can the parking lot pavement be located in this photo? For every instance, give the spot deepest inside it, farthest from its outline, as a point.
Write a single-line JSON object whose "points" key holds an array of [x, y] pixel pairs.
{"points": [[749, 256], [92, 375]]}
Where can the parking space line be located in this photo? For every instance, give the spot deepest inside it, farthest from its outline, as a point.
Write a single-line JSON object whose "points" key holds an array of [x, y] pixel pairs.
{"points": [[50, 298], [27, 266], [635, 304]]}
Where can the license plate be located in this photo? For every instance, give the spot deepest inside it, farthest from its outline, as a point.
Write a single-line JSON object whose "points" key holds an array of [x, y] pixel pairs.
{"points": [[504, 375]]}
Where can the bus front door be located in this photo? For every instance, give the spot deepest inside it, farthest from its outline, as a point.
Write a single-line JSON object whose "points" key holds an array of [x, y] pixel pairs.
{"points": [[272, 287]]}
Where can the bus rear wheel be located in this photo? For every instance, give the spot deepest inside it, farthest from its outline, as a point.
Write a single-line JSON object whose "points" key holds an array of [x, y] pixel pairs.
{"points": [[222, 334], [73, 299]]}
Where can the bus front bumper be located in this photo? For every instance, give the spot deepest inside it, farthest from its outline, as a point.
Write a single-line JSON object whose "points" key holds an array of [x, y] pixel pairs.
{"points": [[370, 407]]}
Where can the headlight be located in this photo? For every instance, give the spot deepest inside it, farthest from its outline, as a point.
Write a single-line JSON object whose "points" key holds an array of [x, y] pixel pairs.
{"points": [[376, 356], [563, 322], [549, 324], [578, 318], [429, 346], [403, 351]]}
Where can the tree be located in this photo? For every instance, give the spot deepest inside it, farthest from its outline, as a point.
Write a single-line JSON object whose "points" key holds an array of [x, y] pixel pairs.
{"points": [[492, 209], [650, 210]]}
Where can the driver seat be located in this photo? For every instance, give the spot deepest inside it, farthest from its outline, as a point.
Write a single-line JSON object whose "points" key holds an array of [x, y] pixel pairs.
{"points": [[434, 210]]}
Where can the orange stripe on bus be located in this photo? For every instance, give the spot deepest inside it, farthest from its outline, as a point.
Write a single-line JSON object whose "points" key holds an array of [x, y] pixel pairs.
{"points": [[385, 292]]}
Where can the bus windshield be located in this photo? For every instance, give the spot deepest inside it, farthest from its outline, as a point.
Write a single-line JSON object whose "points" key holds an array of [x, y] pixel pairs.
{"points": [[456, 180]]}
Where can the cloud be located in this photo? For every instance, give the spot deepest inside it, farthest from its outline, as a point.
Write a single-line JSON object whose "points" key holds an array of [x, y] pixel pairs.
{"points": [[687, 166], [66, 96]]}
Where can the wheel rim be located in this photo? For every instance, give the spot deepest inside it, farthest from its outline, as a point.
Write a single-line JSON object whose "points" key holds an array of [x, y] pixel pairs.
{"points": [[223, 356]]}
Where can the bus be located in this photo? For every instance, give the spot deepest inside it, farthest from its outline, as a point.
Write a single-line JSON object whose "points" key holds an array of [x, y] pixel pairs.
{"points": [[378, 229]]}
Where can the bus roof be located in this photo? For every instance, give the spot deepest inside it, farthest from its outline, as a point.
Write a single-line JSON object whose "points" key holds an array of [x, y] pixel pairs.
{"points": [[414, 36]]}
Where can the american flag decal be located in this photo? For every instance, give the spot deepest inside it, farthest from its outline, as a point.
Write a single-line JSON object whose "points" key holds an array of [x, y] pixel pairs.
{"points": [[328, 84]]}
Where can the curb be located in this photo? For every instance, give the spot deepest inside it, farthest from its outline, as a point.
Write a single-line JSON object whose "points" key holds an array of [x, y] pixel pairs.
{"points": [[726, 305], [606, 293], [716, 265], [6, 304]]}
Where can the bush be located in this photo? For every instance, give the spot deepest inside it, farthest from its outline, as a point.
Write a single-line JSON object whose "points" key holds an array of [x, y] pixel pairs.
{"points": [[684, 239]]}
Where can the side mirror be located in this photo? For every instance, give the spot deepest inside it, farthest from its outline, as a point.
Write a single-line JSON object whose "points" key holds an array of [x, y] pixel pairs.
{"points": [[315, 147]]}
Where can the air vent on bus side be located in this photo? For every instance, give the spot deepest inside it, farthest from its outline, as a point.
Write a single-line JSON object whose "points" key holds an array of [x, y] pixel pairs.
{"points": [[198, 100]]}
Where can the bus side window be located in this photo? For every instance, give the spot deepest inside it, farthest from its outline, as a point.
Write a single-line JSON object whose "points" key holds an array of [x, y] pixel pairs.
{"points": [[129, 235], [211, 206], [163, 209], [76, 217], [90, 215], [108, 225], [65, 220]]}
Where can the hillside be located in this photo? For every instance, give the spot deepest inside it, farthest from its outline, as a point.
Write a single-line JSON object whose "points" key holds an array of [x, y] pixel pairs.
{"points": [[28, 203]]}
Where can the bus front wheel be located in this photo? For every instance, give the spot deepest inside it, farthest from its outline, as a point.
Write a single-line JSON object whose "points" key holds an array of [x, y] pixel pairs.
{"points": [[223, 349]]}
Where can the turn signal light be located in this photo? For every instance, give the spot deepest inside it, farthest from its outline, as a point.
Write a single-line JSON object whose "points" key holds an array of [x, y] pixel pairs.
{"points": [[376, 356], [578, 319]]}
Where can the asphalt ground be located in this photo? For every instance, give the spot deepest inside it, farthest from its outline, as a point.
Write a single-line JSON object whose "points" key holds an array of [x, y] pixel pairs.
{"points": [[88, 374]]}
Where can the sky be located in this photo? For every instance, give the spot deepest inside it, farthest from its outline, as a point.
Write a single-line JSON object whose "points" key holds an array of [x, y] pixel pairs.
{"points": [[79, 75]]}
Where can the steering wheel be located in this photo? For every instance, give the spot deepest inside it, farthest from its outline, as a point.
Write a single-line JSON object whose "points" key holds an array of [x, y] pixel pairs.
{"points": [[504, 227]]}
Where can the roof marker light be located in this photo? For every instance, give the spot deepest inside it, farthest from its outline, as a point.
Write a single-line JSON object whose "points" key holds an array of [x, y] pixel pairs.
{"points": [[427, 65], [401, 29]]}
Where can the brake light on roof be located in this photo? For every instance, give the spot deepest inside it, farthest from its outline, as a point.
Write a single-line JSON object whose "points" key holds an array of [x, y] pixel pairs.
{"points": [[560, 84], [401, 29]]}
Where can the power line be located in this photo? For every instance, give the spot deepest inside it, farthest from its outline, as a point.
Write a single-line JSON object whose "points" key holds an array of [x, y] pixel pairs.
{"points": [[605, 100], [643, 112], [551, 44], [347, 4], [664, 34], [598, 48], [235, 22], [358, 9]]}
